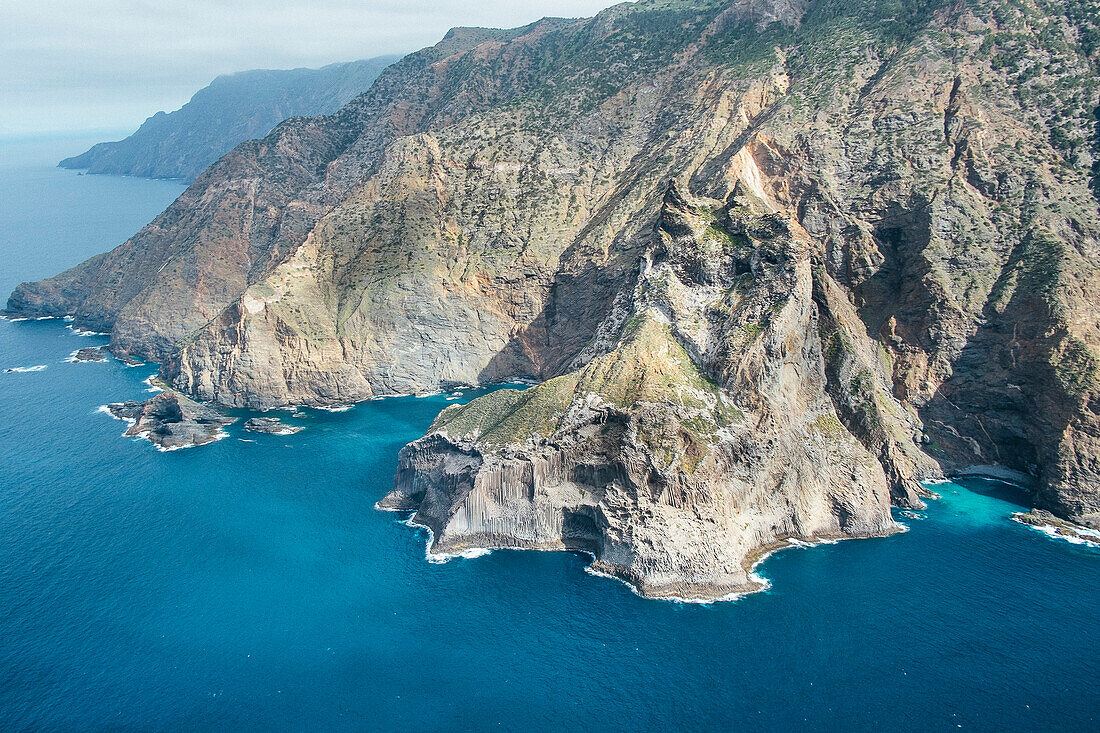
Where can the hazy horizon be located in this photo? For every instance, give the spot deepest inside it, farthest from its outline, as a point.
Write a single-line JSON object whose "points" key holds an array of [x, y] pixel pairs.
{"points": [[69, 67]]}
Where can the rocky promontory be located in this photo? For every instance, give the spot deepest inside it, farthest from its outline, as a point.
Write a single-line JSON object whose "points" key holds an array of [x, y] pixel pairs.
{"points": [[706, 434], [1055, 526], [171, 421]]}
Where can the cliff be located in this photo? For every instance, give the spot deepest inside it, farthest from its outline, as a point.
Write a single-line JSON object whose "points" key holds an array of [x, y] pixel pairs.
{"points": [[706, 436], [776, 262], [231, 109]]}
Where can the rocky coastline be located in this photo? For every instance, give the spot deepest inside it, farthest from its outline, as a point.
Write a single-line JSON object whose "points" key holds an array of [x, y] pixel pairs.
{"points": [[1055, 526], [773, 265]]}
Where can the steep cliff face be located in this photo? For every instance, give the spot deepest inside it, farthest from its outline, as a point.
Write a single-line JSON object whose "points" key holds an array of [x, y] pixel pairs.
{"points": [[254, 208], [875, 261], [703, 438], [231, 109]]}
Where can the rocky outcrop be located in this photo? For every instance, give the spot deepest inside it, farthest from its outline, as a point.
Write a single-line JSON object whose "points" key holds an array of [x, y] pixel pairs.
{"points": [[704, 438], [88, 353], [877, 249], [271, 426], [1054, 526], [231, 109], [171, 421]]}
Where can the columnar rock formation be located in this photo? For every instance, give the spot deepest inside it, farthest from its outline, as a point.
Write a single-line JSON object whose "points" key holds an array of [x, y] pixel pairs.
{"points": [[775, 263]]}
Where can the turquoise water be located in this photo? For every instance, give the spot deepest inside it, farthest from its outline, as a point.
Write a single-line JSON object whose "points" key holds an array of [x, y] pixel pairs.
{"points": [[252, 585]]}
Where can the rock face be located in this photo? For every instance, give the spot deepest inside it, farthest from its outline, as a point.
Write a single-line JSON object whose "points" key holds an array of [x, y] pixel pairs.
{"points": [[776, 262], [232, 109], [704, 437], [171, 421]]}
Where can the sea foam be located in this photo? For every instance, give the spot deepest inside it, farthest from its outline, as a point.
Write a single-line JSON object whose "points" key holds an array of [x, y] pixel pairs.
{"points": [[23, 369]]}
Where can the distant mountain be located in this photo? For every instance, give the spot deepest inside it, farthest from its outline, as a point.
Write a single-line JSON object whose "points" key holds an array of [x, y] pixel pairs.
{"points": [[233, 108]]}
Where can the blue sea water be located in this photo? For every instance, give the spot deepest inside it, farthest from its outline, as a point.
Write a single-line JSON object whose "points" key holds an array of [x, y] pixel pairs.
{"points": [[250, 584]]}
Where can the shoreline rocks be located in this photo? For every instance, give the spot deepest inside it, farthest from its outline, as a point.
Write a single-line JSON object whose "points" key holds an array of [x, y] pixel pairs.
{"points": [[708, 435], [88, 353], [271, 426], [1054, 526]]}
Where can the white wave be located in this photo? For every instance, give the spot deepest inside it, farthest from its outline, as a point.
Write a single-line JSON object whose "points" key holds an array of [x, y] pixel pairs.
{"points": [[81, 332], [246, 440], [23, 369], [335, 408], [794, 543], [428, 394], [71, 359], [220, 435], [106, 410], [439, 558], [152, 387], [1081, 536], [762, 585]]}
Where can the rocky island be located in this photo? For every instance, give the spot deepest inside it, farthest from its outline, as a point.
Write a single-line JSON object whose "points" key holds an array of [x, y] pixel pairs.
{"points": [[271, 426], [88, 353], [773, 264], [171, 421]]}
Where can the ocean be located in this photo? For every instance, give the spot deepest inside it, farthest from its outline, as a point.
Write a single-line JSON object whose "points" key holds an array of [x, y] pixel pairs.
{"points": [[250, 583]]}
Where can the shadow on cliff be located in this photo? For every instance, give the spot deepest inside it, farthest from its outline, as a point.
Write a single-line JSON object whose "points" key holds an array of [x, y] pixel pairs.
{"points": [[1005, 403], [588, 279], [578, 302]]}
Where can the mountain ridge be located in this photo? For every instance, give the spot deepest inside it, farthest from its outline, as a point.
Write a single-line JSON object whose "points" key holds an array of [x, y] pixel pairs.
{"points": [[232, 108]]}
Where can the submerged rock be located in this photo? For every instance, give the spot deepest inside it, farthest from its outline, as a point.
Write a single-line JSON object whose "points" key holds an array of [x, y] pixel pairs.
{"points": [[271, 426], [171, 421]]}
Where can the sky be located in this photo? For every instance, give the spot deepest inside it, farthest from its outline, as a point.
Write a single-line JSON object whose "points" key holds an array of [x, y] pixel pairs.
{"points": [[90, 65]]}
